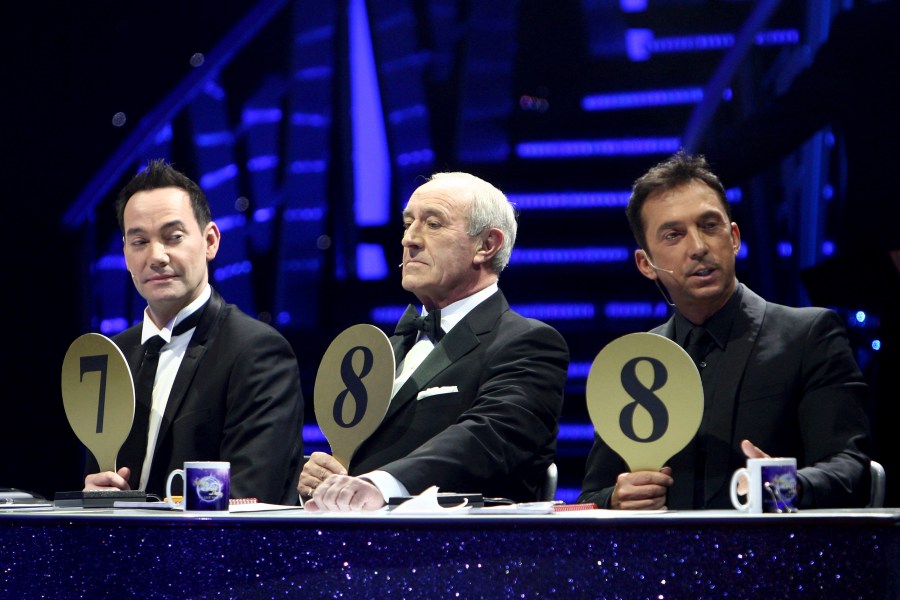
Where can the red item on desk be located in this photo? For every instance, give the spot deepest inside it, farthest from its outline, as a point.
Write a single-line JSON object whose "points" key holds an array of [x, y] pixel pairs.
{"points": [[568, 507]]}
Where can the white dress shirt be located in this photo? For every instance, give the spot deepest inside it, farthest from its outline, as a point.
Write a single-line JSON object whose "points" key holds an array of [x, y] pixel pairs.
{"points": [[170, 357], [386, 483]]}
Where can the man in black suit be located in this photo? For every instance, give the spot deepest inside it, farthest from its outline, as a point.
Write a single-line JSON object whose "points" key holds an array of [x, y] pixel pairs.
{"points": [[227, 387], [477, 402], [782, 377]]}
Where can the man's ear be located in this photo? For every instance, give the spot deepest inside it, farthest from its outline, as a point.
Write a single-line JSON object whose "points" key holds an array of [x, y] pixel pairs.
{"points": [[735, 237], [643, 264], [213, 236], [491, 242]]}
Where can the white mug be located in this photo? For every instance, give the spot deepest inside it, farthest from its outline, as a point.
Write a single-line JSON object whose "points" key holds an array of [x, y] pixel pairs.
{"points": [[206, 487], [773, 486]]}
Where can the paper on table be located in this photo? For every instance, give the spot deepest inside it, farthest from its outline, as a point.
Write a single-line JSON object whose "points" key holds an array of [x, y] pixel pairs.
{"points": [[259, 507], [427, 502], [523, 508], [26, 506]]}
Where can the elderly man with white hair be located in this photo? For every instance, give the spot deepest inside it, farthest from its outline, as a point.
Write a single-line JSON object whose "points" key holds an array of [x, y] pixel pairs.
{"points": [[498, 377]]}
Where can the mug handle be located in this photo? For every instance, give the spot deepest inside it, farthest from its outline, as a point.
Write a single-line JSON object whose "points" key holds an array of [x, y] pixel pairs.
{"points": [[172, 475], [733, 490]]}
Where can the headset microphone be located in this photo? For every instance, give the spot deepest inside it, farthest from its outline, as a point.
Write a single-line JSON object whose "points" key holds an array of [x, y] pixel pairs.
{"points": [[400, 265], [656, 280], [659, 268]]}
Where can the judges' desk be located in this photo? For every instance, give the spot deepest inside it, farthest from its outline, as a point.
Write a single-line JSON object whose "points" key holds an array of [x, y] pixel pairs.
{"points": [[591, 554]]}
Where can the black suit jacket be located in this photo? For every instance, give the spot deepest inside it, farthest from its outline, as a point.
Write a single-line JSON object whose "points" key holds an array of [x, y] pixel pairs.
{"points": [[788, 382], [236, 398], [497, 434]]}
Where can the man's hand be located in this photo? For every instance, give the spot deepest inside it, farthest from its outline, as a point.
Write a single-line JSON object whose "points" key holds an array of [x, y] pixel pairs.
{"points": [[108, 480], [751, 451], [317, 469], [642, 490], [340, 493]]}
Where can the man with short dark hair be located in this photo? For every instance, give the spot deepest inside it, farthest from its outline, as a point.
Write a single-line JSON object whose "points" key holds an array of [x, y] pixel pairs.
{"points": [[226, 386], [777, 381]]}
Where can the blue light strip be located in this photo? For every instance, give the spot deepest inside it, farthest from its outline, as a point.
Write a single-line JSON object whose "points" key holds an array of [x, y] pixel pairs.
{"points": [[110, 262], [389, 315], [635, 310], [304, 214], [568, 432], [308, 166], [579, 370], [113, 325], [213, 138], [386, 314], [576, 432], [229, 222], [371, 157], [260, 116], [589, 148], [371, 264], [586, 199], [536, 256], [642, 43], [562, 311], [236, 269], [216, 178], [624, 100], [315, 120], [556, 312], [569, 200], [265, 162]]}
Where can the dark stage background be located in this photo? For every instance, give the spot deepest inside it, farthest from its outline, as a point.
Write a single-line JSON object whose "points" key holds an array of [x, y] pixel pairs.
{"points": [[309, 124]]}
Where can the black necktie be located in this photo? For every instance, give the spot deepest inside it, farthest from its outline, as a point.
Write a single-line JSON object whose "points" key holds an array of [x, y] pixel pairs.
{"points": [[698, 345], [135, 447], [411, 324]]}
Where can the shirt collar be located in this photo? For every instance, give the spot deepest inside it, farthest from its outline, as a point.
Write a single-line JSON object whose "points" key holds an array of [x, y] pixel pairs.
{"points": [[150, 329], [455, 312], [718, 325]]}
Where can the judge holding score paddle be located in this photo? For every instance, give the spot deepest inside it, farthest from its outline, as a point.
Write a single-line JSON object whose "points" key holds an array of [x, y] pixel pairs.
{"points": [[477, 392], [777, 381]]}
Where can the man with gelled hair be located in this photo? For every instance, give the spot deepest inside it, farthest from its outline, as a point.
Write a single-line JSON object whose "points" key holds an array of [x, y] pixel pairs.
{"points": [[777, 381], [477, 400], [227, 387]]}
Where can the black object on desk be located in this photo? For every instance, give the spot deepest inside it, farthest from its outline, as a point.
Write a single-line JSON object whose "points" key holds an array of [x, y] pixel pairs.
{"points": [[16, 496], [97, 498]]}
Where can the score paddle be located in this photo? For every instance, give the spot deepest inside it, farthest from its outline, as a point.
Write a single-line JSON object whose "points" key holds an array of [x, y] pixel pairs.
{"points": [[353, 388], [98, 395], [645, 398]]}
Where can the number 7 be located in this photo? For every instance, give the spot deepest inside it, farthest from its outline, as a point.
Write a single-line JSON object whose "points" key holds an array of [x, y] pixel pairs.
{"points": [[97, 363]]}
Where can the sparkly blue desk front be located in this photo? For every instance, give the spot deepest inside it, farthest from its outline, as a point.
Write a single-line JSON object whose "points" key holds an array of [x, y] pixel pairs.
{"points": [[590, 554]]}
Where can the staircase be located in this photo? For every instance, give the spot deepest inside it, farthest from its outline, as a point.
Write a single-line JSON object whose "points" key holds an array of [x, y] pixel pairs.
{"points": [[310, 135]]}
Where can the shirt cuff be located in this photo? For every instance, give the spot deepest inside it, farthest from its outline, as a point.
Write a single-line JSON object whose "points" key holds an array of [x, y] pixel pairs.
{"points": [[386, 483]]}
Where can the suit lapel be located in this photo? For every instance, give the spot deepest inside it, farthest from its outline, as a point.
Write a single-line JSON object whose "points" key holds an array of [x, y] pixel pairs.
{"points": [[135, 357], [461, 340], [719, 416], [400, 343], [189, 364], [455, 344]]}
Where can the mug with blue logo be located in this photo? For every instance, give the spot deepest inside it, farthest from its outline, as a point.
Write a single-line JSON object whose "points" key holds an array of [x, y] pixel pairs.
{"points": [[206, 487]]}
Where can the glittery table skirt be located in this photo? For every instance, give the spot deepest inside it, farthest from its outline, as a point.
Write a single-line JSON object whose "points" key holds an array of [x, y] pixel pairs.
{"points": [[688, 555]]}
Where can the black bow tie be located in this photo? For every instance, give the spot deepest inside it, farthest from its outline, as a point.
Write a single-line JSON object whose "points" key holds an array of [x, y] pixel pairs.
{"points": [[191, 321], [411, 323]]}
